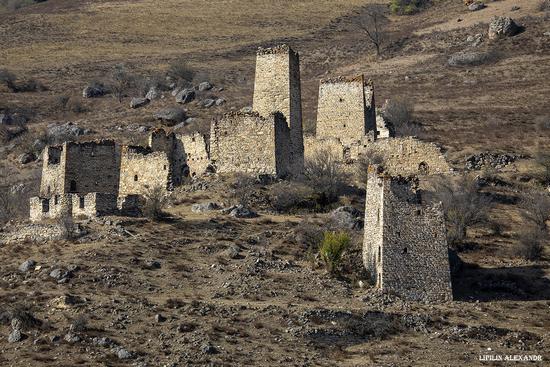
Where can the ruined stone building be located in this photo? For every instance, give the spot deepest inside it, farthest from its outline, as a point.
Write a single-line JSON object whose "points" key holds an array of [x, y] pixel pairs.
{"points": [[250, 143], [405, 247], [277, 89]]}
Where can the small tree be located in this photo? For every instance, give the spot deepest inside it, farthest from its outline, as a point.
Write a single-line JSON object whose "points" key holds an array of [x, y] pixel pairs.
{"points": [[8, 79], [156, 200], [324, 173], [398, 113], [536, 208], [121, 81], [332, 248], [181, 72], [373, 24], [543, 160], [463, 206], [530, 243]]}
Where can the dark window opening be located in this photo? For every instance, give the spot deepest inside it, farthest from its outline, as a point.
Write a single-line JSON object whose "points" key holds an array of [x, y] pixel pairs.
{"points": [[55, 199], [72, 186], [344, 125], [49, 190], [81, 202], [135, 178], [164, 167], [423, 168], [379, 253], [45, 205], [404, 251], [341, 100], [418, 212]]}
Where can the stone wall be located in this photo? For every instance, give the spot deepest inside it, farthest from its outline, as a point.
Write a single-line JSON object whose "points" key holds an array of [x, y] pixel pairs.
{"points": [[56, 206], [53, 177], [277, 89], [94, 204], [90, 167], [195, 154], [142, 169], [163, 141], [346, 109], [250, 143], [405, 156], [405, 247]]}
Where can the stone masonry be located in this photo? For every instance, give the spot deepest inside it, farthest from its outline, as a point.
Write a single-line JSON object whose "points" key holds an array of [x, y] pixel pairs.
{"points": [[250, 143], [196, 155], [405, 247], [142, 170], [277, 89], [346, 109]]}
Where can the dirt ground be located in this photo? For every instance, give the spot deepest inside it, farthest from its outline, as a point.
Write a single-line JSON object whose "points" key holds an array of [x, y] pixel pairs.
{"points": [[242, 292]]}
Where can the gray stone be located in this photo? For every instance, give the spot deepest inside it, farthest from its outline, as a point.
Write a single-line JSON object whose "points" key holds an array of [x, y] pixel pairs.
{"points": [[209, 102], [138, 102], [176, 90], [246, 109], [26, 158], [27, 265], [102, 342], [476, 6], [57, 273], [93, 91], [185, 96], [153, 264], [239, 211], [209, 349], [123, 354], [38, 145], [171, 116], [16, 323], [153, 93], [515, 8], [347, 217], [220, 101], [159, 318], [67, 131], [15, 336], [502, 27], [204, 207], [72, 338], [204, 86], [233, 252]]}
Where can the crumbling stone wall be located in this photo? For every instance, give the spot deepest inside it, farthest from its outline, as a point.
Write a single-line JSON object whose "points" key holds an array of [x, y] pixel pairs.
{"points": [[195, 154], [405, 156], [346, 109], [277, 89], [313, 145], [163, 141], [143, 169], [56, 206], [405, 247], [250, 143], [94, 204], [53, 177]]}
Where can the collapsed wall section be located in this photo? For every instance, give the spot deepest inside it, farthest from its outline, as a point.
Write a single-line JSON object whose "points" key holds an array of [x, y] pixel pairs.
{"points": [[53, 171], [195, 154]]}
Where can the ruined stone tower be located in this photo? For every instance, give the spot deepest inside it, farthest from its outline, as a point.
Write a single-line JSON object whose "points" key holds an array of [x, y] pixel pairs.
{"points": [[346, 109], [405, 247], [277, 89]]}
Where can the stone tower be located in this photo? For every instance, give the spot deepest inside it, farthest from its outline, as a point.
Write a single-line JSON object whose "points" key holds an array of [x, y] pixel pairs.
{"points": [[405, 247], [346, 109], [277, 89]]}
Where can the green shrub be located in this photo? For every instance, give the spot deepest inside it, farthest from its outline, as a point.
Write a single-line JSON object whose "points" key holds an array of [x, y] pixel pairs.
{"points": [[332, 247], [407, 7]]}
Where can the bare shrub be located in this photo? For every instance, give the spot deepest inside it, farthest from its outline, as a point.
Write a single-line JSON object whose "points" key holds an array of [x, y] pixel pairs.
{"points": [[181, 72], [407, 7], [79, 324], [156, 200], [242, 188], [288, 196], [66, 103], [530, 243], [463, 206], [121, 82], [543, 5], [8, 79], [373, 24], [398, 113], [535, 207], [325, 175], [474, 58], [543, 160]]}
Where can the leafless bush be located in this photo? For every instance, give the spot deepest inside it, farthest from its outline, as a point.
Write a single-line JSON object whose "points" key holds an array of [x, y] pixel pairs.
{"points": [[8, 79], [181, 72], [373, 24], [535, 207], [121, 81], [156, 200], [530, 243], [398, 113], [287, 196], [242, 188], [66, 103], [474, 58], [79, 324], [463, 206], [544, 5], [325, 175], [543, 160]]}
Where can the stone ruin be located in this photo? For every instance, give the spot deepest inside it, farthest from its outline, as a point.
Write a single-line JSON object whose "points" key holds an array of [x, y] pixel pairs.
{"points": [[99, 178], [405, 247]]}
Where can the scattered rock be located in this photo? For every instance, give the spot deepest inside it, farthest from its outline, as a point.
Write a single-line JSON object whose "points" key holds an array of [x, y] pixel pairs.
{"points": [[102, 342], [38, 145], [93, 91], [220, 101], [16, 323], [15, 336], [204, 86], [176, 90], [502, 27], [26, 158], [204, 207], [153, 93], [246, 109], [27, 266], [72, 338], [171, 116], [233, 252], [153, 264], [209, 102], [347, 217], [475, 40], [495, 160], [55, 338], [138, 102], [185, 96], [476, 6], [123, 354], [5, 119], [239, 211], [66, 131], [159, 318], [209, 349], [57, 273], [515, 8]]}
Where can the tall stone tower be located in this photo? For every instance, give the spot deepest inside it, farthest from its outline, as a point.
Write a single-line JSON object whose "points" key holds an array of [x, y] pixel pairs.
{"points": [[405, 247], [346, 109], [277, 89]]}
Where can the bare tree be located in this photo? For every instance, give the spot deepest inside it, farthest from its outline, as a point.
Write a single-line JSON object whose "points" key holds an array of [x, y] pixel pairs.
{"points": [[373, 24], [324, 174], [536, 208], [121, 82], [156, 200], [543, 160]]}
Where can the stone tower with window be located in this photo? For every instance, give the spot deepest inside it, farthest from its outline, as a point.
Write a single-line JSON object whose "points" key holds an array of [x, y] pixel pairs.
{"points": [[277, 89], [405, 247]]}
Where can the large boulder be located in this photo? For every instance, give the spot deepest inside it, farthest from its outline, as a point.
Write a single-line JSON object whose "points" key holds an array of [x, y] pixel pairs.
{"points": [[171, 116], [240, 211], [204, 86], [204, 207], [346, 217], [153, 93], [66, 131], [502, 27], [185, 96], [93, 91], [476, 6], [138, 102], [26, 158], [209, 102]]}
